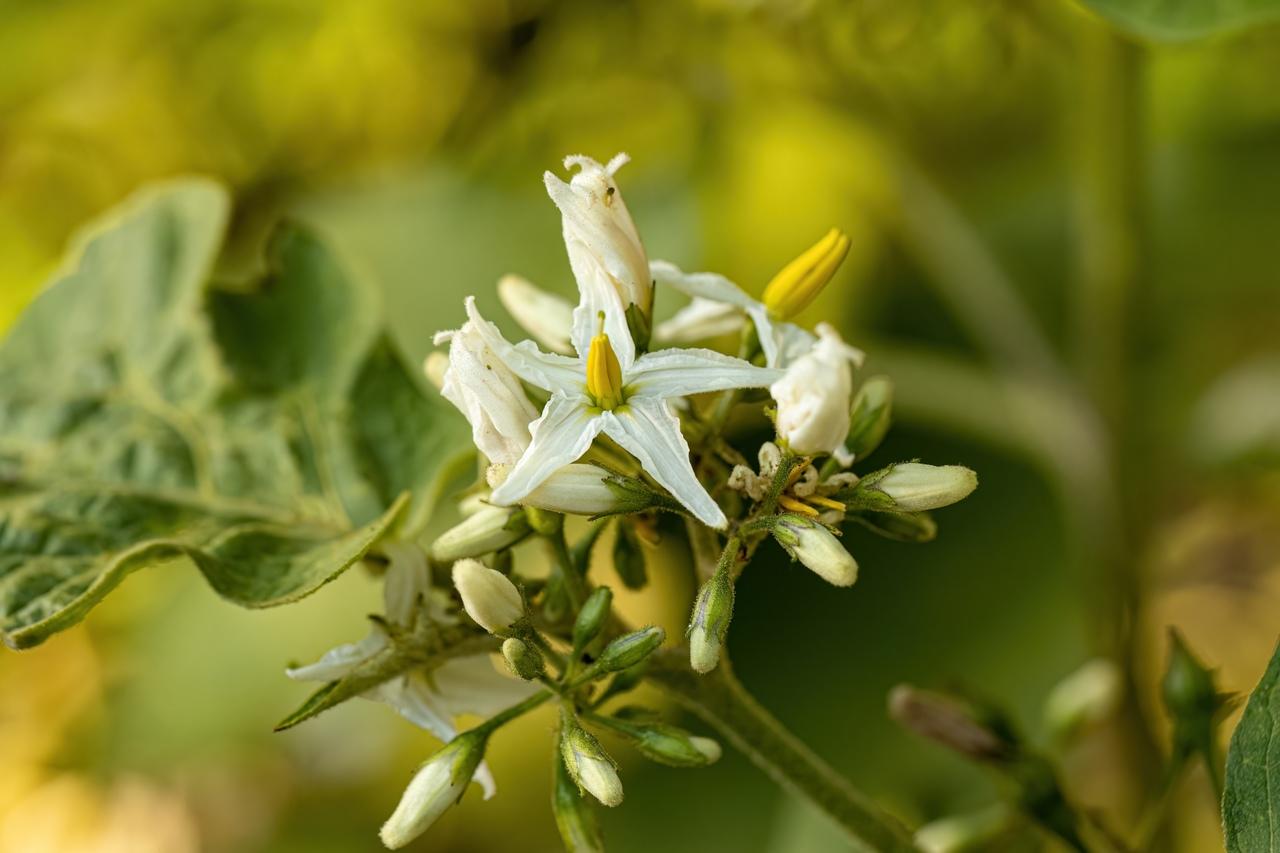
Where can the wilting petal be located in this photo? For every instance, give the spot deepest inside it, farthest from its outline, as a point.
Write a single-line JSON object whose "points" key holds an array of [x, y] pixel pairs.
{"points": [[544, 315], [406, 583], [487, 393], [708, 285], [650, 432], [340, 660], [679, 372], [700, 319], [473, 685], [545, 370], [563, 433]]}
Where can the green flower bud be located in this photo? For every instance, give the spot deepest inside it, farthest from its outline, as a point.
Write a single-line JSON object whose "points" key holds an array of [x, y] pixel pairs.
{"points": [[869, 416], [438, 784], [591, 617], [574, 818], [666, 744], [490, 529], [1192, 699], [817, 548], [630, 649], [488, 596], [709, 622], [588, 764], [523, 660]]}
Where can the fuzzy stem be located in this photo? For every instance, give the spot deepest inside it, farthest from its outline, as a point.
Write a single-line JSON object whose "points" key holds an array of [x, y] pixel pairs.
{"points": [[721, 701]]}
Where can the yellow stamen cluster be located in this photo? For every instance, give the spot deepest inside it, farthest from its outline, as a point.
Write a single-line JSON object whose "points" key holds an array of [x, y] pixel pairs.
{"points": [[604, 373], [800, 281]]}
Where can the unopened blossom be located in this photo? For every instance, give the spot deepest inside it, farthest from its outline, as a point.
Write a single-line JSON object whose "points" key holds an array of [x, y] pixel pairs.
{"points": [[547, 318], [488, 596], [817, 548], [814, 396], [437, 785]]}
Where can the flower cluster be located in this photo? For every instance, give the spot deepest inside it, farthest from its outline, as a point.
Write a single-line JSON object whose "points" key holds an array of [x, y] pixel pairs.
{"points": [[606, 414]]}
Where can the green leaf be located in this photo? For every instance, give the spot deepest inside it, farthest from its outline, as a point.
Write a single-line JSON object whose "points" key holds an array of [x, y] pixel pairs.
{"points": [[1251, 801], [1182, 20], [263, 434]]}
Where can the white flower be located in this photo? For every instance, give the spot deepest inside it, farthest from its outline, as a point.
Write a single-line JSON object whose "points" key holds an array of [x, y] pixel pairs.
{"points": [[546, 317], [605, 251], [817, 548], [437, 785], [607, 389], [430, 700], [814, 396], [488, 596]]}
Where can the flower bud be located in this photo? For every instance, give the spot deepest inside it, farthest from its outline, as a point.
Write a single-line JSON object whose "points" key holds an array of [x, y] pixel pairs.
{"points": [[1192, 699], [796, 285], [869, 416], [1085, 697], [817, 548], [813, 397], [666, 744], [913, 487], [579, 489], [709, 622], [438, 784], [952, 722], [588, 764], [629, 649], [546, 317], [592, 616], [491, 528], [488, 596], [522, 659], [574, 819]]}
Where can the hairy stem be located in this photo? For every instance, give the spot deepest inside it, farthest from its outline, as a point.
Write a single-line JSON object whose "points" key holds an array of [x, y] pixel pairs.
{"points": [[721, 701]]}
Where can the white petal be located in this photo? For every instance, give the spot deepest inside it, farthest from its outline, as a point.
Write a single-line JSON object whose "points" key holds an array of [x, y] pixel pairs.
{"points": [[473, 685], [563, 433], [700, 319], [649, 431], [552, 372], [340, 660], [678, 372], [488, 394], [544, 315], [708, 285], [407, 581]]}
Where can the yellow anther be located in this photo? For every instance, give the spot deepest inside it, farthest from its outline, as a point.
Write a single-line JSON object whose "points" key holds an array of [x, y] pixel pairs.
{"points": [[792, 505], [604, 373], [827, 502], [799, 282]]}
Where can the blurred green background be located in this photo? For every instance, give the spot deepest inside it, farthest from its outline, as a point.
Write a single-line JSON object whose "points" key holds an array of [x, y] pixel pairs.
{"points": [[1065, 255]]}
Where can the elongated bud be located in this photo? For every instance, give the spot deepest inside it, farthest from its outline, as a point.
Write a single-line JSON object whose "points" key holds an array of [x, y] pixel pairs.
{"points": [[1085, 697], [574, 818], [580, 489], [628, 557], [666, 744], [488, 596], [591, 617], [546, 317], [1192, 700], [902, 526], [912, 487], [958, 725], [630, 649], [796, 285], [522, 659], [490, 529], [588, 764], [815, 546], [438, 784], [709, 622], [869, 416]]}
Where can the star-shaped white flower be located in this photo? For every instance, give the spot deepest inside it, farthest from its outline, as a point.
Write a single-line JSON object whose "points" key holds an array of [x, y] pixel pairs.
{"points": [[609, 389]]}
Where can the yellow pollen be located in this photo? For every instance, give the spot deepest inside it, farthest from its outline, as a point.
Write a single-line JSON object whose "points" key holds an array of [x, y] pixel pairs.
{"points": [[800, 281], [604, 374], [791, 504]]}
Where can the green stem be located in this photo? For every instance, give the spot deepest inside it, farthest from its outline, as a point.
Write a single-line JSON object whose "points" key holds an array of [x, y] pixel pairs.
{"points": [[503, 717], [721, 701], [564, 564]]}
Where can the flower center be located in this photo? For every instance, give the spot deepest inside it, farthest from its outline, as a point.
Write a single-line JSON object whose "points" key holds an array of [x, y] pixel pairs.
{"points": [[604, 373], [792, 289]]}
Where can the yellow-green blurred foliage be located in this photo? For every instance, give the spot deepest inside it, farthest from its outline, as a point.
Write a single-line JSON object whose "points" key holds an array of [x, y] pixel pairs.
{"points": [[414, 134]]}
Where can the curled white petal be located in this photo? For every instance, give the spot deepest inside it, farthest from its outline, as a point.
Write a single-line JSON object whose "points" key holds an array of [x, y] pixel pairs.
{"points": [[701, 319], [677, 372], [544, 315], [545, 370], [563, 433]]}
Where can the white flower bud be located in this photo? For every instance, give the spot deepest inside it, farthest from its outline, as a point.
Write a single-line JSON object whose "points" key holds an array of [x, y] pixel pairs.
{"points": [[437, 785], [488, 596], [1086, 696], [709, 622], [579, 489], [588, 764], [813, 397], [488, 529], [914, 486], [546, 317], [709, 748], [817, 548], [488, 393]]}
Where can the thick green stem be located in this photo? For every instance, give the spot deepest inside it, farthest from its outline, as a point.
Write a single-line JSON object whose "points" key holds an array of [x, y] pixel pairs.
{"points": [[721, 701]]}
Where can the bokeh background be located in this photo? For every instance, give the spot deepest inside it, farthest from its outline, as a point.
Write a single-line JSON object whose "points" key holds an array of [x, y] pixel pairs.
{"points": [[1064, 254]]}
